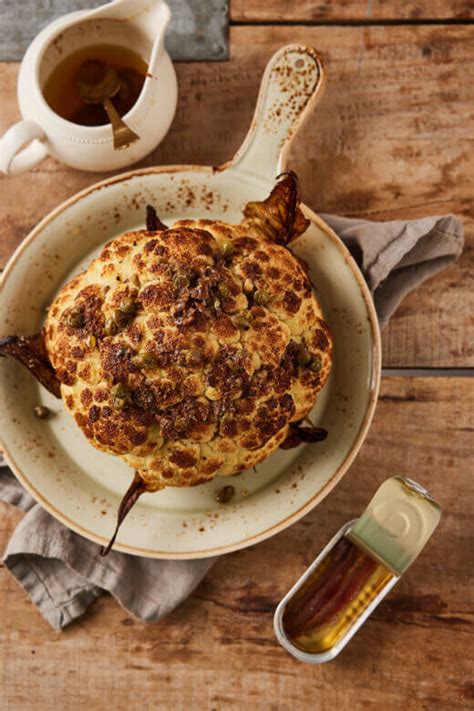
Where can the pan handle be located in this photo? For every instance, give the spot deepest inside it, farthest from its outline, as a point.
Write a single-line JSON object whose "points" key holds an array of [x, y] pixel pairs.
{"points": [[290, 87]]}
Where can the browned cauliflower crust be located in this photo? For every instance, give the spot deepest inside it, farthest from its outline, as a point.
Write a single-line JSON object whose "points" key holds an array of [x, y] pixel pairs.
{"points": [[189, 351]]}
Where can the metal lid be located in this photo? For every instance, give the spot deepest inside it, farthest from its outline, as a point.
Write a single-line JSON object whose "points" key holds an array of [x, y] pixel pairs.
{"points": [[397, 523]]}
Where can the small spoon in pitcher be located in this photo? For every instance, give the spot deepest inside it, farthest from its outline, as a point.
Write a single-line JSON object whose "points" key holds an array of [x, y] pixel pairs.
{"points": [[97, 84]]}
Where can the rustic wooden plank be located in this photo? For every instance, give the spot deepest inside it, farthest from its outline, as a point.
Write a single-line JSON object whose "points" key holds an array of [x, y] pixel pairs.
{"points": [[308, 11], [392, 138], [197, 31], [218, 649]]}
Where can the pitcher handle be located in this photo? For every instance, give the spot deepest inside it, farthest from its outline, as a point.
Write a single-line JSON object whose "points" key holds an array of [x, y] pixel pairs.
{"points": [[22, 147], [290, 87]]}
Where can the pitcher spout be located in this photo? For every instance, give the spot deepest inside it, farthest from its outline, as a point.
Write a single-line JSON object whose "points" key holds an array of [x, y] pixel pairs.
{"points": [[148, 18]]}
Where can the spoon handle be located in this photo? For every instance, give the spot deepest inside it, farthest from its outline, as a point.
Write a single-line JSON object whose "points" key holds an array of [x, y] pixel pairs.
{"points": [[123, 135]]}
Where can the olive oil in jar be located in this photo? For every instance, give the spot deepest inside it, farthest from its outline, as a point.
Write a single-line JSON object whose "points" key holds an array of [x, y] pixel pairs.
{"points": [[334, 596], [61, 89]]}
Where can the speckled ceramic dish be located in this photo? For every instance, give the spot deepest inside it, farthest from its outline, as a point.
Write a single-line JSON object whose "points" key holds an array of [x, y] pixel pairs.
{"points": [[81, 486]]}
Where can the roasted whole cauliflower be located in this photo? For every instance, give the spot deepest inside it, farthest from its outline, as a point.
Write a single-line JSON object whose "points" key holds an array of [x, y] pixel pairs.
{"points": [[189, 351]]}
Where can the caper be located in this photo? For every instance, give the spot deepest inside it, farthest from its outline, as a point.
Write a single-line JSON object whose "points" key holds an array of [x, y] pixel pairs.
{"points": [[121, 396], [225, 494], [149, 360], [227, 247], [110, 328], [304, 356], [120, 318], [242, 322], [224, 291], [122, 391], [181, 280], [41, 412], [180, 423], [127, 305], [75, 317], [261, 298], [227, 251], [316, 364], [91, 341], [144, 360], [193, 357]]}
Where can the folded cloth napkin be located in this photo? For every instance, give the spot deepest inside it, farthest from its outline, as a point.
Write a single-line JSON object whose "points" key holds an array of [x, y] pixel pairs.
{"points": [[63, 573], [396, 257]]}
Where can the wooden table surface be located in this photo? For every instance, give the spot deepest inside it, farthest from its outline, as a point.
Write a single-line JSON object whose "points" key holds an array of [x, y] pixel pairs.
{"points": [[393, 138]]}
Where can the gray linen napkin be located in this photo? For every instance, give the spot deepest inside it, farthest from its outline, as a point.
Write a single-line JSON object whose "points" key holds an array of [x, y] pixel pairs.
{"points": [[396, 257], [63, 573]]}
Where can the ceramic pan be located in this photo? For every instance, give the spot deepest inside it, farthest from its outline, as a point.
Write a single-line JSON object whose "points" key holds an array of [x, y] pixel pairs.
{"points": [[81, 486]]}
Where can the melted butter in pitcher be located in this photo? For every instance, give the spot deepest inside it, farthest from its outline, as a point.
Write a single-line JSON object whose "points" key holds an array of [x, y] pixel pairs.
{"points": [[61, 89]]}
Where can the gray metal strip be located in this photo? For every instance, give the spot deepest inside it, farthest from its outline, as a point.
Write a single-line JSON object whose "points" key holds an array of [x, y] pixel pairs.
{"points": [[429, 372], [197, 31]]}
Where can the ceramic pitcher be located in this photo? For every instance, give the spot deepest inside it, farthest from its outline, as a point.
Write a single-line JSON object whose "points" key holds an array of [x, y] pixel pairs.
{"points": [[138, 25]]}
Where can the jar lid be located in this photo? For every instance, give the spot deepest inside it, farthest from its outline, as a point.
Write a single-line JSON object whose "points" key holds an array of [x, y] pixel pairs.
{"points": [[397, 523]]}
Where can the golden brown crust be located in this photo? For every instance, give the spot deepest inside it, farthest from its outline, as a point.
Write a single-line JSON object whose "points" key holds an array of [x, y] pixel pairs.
{"points": [[188, 351]]}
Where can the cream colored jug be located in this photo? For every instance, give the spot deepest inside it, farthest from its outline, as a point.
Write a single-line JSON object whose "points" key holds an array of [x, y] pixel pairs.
{"points": [[136, 24]]}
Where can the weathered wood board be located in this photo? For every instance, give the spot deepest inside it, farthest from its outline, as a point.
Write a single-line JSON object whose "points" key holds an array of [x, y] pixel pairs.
{"points": [[309, 11], [393, 138], [218, 649]]}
